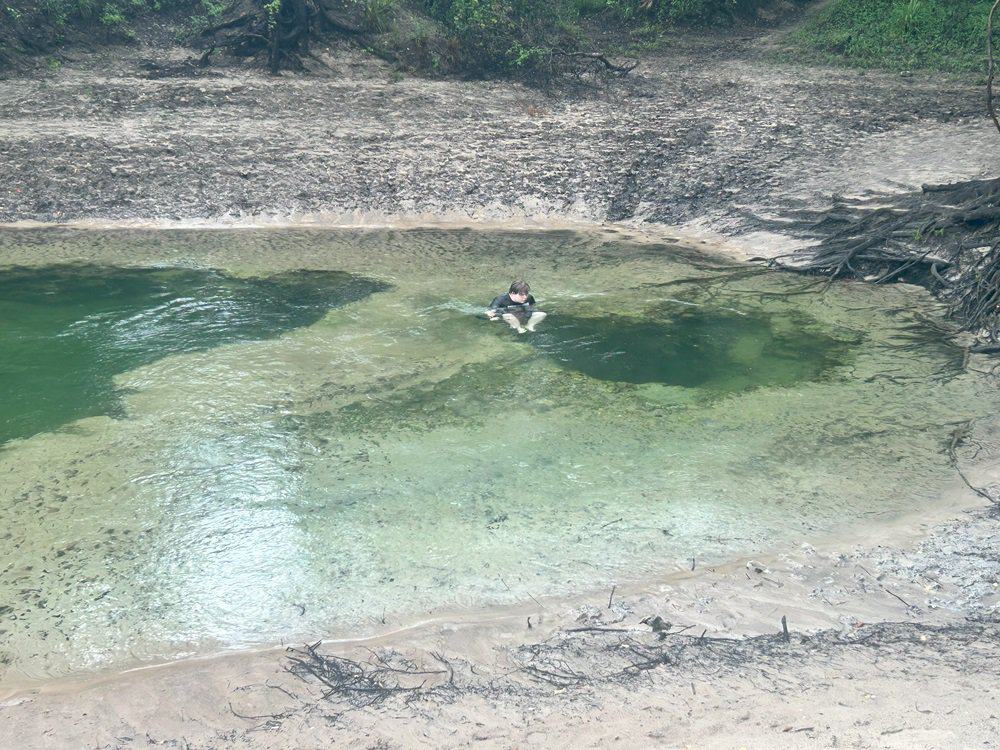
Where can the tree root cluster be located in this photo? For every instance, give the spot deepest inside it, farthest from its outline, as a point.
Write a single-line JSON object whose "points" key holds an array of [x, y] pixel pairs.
{"points": [[278, 34], [945, 237], [976, 301]]}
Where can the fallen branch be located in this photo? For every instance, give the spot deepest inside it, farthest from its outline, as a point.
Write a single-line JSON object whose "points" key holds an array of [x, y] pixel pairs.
{"points": [[960, 433], [599, 57]]}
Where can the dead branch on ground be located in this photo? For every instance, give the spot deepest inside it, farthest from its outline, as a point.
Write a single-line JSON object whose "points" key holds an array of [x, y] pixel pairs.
{"points": [[362, 684], [601, 60]]}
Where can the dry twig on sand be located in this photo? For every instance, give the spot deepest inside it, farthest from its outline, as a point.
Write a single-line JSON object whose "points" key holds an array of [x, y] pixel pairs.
{"points": [[363, 684], [958, 436]]}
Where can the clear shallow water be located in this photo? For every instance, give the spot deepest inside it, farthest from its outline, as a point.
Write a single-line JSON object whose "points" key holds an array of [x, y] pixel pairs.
{"points": [[223, 438]]}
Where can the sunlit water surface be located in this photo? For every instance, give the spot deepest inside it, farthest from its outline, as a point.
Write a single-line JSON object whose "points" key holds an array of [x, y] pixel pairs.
{"points": [[220, 438]]}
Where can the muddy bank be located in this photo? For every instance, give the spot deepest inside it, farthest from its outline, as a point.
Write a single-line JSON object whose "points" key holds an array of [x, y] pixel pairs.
{"points": [[707, 132]]}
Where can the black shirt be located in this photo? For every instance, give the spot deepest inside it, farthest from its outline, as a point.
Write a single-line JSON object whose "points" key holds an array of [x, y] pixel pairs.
{"points": [[504, 301]]}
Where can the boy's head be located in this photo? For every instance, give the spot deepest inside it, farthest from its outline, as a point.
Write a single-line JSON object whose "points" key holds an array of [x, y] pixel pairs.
{"points": [[519, 292]]}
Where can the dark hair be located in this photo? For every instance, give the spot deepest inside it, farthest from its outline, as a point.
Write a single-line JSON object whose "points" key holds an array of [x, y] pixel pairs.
{"points": [[519, 287]]}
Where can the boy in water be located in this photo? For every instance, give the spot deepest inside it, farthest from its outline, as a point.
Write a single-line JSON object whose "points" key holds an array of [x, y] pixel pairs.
{"points": [[515, 307]]}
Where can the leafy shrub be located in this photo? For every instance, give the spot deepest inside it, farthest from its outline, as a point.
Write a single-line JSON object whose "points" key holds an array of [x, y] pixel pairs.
{"points": [[497, 35]]}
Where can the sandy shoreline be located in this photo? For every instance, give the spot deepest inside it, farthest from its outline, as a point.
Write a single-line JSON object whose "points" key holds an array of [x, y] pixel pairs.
{"points": [[901, 533]]}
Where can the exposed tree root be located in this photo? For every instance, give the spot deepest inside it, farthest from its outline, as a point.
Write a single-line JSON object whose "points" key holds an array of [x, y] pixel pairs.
{"points": [[946, 237], [278, 34]]}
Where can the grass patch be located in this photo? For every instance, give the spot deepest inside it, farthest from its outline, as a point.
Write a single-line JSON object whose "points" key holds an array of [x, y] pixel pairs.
{"points": [[944, 35]]}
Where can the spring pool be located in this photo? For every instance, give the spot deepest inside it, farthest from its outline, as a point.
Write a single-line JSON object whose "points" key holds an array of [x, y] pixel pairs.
{"points": [[212, 439]]}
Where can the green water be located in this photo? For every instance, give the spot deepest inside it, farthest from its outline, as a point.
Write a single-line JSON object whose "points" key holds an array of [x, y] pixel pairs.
{"points": [[212, 439], [69, 329], [717, 351]]}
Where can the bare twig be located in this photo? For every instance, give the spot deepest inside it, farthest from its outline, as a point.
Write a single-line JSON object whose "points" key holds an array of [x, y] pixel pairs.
{"points": [[595, 629], [600, 58], [255, 717], [892, 593]]}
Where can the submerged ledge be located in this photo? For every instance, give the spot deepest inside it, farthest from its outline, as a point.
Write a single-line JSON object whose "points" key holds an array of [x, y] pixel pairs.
{"points": [[693, 236]]}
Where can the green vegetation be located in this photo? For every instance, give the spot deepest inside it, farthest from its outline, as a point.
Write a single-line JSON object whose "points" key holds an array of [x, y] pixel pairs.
{"points": [[514, 37], [39, 26], [467, 37], [528, 37], [948, 35], [500, 35], [670, 12]]}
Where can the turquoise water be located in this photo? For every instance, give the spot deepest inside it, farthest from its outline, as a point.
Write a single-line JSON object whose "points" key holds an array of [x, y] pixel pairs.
{"points": [[212, 439]]}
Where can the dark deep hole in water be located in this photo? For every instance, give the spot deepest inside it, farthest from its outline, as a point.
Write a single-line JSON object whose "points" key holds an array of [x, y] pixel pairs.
{"points": [[69, 329], [693, 347]]}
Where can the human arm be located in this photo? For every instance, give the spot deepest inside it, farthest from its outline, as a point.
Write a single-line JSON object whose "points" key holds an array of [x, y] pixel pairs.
{"points": [[493, 311]]}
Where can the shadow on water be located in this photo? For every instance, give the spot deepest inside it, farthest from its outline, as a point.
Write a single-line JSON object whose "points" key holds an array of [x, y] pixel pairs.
{"points": [[694, 347], [68, 329]]}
